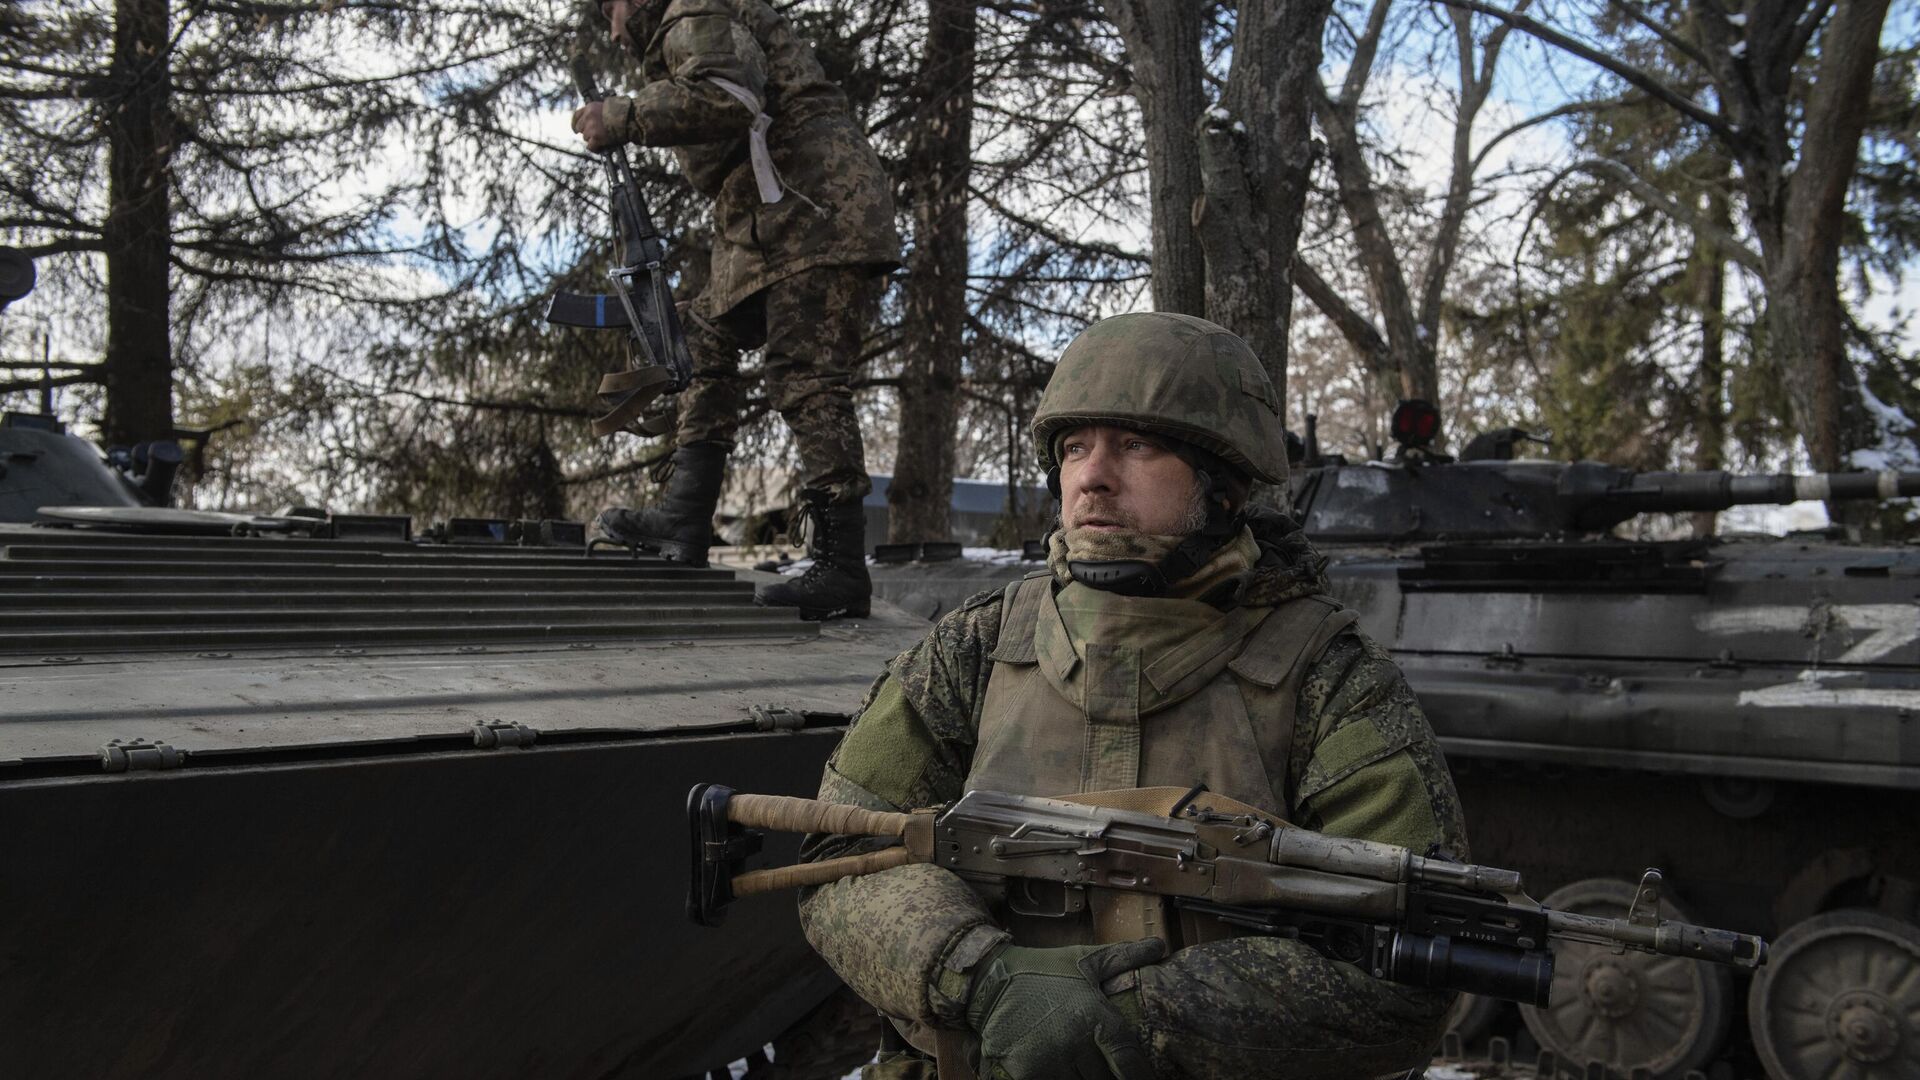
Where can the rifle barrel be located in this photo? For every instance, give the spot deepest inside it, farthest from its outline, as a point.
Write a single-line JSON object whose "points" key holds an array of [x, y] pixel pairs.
{"points": [[1667, 938]]}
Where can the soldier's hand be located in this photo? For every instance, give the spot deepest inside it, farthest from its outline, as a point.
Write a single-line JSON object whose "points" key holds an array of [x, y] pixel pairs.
{"points": [[590, 121], [1041, 1013]]}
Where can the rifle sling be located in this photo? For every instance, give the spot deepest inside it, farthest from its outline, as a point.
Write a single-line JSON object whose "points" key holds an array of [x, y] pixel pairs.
{"points": [[765, 176], [624, 414], [1160, 802], [635, 380]]}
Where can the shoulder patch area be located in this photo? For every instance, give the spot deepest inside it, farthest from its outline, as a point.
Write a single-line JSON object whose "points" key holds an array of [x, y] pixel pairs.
{"points": [[1366, 712], [681, 9], [980, 599], [1345, 752], [699, 35]]}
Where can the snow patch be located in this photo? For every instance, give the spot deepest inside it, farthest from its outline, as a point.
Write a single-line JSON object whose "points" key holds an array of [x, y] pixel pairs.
{"points": [[1893, 430], [991, 556]]}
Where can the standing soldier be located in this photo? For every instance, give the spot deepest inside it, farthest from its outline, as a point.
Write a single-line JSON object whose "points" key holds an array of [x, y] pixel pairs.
{"points": [[803, 233]]}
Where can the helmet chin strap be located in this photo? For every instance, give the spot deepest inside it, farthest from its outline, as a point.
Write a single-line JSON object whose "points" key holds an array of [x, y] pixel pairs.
{"points": [[1138, 577]]}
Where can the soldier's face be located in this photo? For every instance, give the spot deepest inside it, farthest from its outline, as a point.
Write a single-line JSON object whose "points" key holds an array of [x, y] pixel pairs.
{"points": [[1114, 480], [617, 13]]}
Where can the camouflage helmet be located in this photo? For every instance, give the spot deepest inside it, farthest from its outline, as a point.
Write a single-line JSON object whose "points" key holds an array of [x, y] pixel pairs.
{"points": [[1171, 375]]}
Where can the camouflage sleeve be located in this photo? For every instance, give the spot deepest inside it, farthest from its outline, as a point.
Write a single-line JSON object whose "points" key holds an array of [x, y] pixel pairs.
{"points": [[902, 938], [1364, 761], [702, 47], [1365, 764]]}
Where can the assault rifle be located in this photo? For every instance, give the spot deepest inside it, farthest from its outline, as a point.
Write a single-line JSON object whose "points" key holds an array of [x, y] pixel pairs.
{"points": [[1404, 917], [642, 300]]}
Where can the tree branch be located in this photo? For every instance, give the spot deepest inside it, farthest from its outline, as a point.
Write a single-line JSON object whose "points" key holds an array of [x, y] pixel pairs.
{"points": [[1365, 47], [1634, 76], [1355, 327], [63, 365], [1608, 169], [18, 385], [1674, 41], [1573, 108]]}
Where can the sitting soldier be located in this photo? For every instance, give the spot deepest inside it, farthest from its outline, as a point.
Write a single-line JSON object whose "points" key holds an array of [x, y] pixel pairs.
{"points": [[1179, 638]]}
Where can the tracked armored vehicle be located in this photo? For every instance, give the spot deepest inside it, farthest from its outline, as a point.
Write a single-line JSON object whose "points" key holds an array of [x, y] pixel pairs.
{"points": [[1739, 711], [311, 795], [1743, 712], [350, 804]]}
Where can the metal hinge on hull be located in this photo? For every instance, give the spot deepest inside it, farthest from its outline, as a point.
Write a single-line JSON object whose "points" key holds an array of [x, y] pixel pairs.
{"points": [[491, 734], [139, 755]]}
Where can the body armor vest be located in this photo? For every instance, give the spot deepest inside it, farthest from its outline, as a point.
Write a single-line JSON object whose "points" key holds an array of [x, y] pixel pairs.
{"points": [[1062, 717]]}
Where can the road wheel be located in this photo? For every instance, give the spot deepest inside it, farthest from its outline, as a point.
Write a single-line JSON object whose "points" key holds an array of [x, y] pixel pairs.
{"points": [[1840, 996], [1629, 1010]]}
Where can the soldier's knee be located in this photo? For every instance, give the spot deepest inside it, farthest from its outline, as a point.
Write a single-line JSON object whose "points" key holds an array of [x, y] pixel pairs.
{"points": [[796, 395]]}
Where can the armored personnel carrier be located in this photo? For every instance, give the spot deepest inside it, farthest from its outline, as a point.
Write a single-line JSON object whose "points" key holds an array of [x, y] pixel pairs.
{"points": [[314, 795], [1739, 711], [1743, 712]]}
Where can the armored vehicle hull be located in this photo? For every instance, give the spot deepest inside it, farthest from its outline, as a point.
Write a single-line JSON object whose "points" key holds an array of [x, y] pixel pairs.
{"points": [[305, 807], [1740, 714], [1743, 713]]}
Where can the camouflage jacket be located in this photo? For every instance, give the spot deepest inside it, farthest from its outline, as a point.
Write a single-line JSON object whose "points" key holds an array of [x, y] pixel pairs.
{"points": [[1251, 1006], [837, 209]]}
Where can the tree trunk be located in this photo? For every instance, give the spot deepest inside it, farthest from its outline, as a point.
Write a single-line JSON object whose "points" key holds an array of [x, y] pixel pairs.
{"points": [[138, 367], [1797, 202], [1256, 153], [1710, 425], [1163, 50], [939, 163]]}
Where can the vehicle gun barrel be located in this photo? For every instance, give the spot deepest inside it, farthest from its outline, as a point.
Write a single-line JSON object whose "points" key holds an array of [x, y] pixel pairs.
{"points": [[1593, 496], [1717, 490]]}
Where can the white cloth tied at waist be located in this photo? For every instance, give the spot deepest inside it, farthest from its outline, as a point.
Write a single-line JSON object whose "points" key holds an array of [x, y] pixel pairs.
{"points": [[764, 174]]}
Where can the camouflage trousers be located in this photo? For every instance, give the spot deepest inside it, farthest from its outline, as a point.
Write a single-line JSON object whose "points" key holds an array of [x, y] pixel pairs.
{"points": [[812, 324]]}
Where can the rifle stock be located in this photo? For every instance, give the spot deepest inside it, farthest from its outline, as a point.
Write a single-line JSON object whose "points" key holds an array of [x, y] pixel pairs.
{"points": [[1405, 917]]}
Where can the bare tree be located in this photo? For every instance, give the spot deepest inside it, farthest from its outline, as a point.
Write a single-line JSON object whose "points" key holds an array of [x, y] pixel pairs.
{"points": [[1791, 82], [1404, 359]]}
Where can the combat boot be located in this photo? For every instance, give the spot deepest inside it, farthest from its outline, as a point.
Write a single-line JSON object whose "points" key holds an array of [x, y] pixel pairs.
{"points": [[681, 527], [837, 583]]}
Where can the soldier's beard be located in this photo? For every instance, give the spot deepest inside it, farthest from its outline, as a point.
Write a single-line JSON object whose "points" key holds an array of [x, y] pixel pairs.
{"points": [[1079, 543]]}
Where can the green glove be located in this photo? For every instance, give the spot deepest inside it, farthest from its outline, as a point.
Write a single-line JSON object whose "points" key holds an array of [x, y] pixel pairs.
{"points": [[1040, 1013]]}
